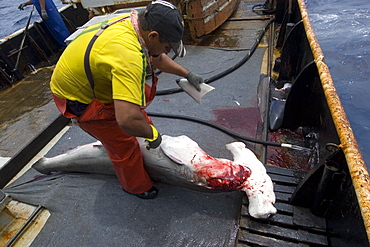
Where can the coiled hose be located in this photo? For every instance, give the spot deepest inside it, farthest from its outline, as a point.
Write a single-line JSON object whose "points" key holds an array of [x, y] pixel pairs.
{"points": [[216, 77], [229, 70]]}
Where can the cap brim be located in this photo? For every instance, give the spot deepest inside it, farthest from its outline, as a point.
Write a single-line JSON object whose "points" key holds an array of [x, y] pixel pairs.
{"points": [[178, 48]]}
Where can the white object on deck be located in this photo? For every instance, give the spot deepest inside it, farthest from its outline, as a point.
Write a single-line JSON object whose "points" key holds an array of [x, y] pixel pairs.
{"points": [[192, 91]]}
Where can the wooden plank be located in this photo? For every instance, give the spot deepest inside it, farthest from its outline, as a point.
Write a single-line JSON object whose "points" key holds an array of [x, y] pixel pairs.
{"points": [[284, 188], [295, 216], [284, 208], [281, 207], [284, 179], [291, 226], [285, 171], [283, 197], [281, 219], [202, 9], [275, 219], [280, 197], [289, 234], [255, 239], [204, 19]]}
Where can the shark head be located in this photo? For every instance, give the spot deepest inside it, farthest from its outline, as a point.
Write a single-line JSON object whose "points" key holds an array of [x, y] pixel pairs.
{"points": [[258, 187]]}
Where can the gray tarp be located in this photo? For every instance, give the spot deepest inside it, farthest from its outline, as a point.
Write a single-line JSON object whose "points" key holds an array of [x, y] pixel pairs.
{"points": [[92, 210]]}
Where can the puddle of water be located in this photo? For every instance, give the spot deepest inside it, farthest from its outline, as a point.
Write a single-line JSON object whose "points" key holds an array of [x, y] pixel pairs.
{"points": [[28, 94]]}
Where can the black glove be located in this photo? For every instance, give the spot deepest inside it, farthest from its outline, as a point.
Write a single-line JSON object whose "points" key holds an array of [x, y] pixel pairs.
{"points": [[21, 6], [194, 80], [155, 141], [44, 15]]}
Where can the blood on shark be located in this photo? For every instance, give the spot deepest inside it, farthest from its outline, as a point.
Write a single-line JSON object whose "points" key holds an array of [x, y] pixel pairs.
{"points": [[180, 161]]}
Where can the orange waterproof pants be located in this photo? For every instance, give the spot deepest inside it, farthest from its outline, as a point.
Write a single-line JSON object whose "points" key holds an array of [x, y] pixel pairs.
{"points": [[123, 150]]}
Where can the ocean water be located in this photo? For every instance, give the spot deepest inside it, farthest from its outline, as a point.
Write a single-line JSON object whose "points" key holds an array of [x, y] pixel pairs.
{"points": [[343, 30], [13, 19]]}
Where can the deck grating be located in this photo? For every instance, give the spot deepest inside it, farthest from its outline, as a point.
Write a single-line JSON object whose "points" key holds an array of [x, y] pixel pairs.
{"points": [[291, 226]]}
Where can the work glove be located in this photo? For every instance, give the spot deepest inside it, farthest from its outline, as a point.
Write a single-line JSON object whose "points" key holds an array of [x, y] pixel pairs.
{"points": [[194, 80], [21, 6], [155, 141], [44, 14]]}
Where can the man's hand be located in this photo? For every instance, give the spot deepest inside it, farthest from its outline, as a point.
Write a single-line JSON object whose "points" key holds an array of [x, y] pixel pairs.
{"points": [[21, 6], [194, 80], [155, 141], [44, 14]]}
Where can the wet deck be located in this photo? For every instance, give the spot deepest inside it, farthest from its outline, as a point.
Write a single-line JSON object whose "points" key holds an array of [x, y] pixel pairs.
{"points": [[27, 107], [178, 216]]}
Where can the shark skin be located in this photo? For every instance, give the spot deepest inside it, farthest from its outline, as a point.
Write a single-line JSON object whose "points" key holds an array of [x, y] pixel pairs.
{"points": [[180, 161], [244, 173]]}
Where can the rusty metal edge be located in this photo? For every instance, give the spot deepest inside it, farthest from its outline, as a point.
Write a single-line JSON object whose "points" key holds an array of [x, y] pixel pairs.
{"points": [[356, 165]]}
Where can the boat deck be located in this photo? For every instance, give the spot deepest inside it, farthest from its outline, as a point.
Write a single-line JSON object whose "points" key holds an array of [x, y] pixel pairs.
{"points": [[291, 226], [95, 209], [91, 203]]}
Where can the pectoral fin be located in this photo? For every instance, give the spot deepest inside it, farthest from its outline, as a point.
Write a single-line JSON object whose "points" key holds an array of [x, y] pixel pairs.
{"points": [[173, 158]]}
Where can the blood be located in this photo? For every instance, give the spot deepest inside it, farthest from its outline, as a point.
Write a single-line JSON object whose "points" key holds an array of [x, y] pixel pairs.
{"points": [[247, 122], [220, 174], [37, 178], [244, 121], [288, 158]]}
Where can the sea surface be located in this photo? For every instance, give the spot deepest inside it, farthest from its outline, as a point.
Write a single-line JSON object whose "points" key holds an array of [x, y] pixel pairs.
{"points": [[342, 28], [13, 19]]}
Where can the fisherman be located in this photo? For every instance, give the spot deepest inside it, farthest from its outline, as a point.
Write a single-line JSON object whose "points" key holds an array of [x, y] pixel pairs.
{"points": [[100, 82], [44, 14], [52, 19]]}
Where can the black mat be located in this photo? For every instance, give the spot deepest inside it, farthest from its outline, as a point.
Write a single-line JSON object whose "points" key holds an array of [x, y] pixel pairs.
{"points": [[92, 210]]}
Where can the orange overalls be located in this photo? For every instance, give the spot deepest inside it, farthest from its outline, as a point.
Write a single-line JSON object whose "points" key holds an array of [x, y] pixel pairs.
{"points": [[123, 150]]}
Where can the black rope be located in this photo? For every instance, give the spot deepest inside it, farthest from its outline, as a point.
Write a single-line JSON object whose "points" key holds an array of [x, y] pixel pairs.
{"points": [[215, 126], [229, 70]]}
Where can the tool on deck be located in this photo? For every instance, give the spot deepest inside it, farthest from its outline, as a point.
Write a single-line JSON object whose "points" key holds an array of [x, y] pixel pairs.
{"points": [[192, 91], [23, 39]]}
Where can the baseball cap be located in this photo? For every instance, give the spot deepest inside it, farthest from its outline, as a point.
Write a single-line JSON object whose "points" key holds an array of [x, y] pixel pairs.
{"points": [[166, 19]]}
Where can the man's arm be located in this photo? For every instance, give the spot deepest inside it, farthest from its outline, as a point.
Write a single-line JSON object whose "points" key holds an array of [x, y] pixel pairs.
{"points": [[42, 4], [22, 5], [130, 118], [167, 65]]}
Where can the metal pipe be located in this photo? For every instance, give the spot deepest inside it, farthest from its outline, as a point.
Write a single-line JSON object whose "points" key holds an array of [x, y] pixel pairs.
{"points": [[39, 50], [23, 39], [43, 39]]}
